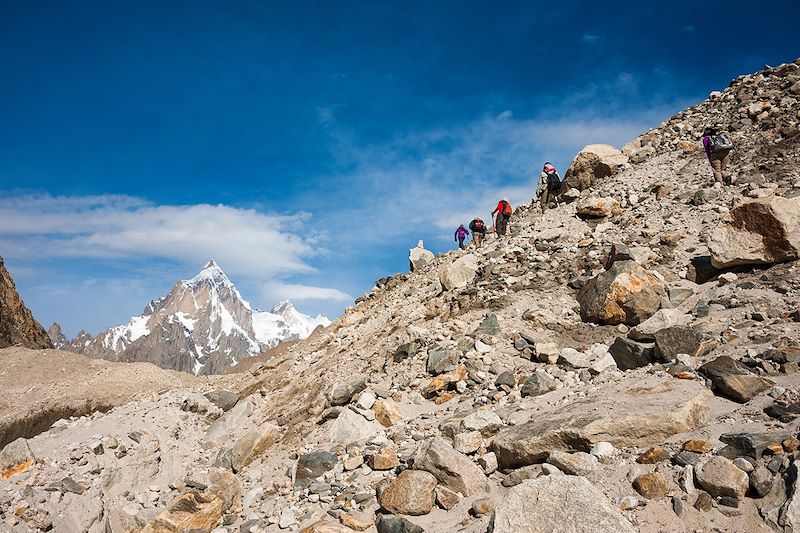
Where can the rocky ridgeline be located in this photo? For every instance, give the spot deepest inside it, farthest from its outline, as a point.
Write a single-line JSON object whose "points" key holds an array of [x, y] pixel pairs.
{"points": [[627, 361], [17, 325]]}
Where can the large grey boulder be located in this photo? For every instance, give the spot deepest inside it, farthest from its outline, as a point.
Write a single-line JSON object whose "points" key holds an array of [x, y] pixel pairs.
{"points": [[459, 273], [312, 465], [569, 504], [452, 469], [629, 354], [644, 413], [760, 232], [595, 161], [624, 294]]}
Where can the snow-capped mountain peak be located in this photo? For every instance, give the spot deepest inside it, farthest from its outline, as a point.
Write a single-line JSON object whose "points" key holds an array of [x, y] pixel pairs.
{"points": [[203, 326]]}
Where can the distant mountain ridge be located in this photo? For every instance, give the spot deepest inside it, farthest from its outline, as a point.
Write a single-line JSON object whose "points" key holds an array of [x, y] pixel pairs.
{"points": [[203, 326]]}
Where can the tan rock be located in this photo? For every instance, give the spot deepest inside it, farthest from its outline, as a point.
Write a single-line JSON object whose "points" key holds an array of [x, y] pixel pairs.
{"points": [[698, 446], [468, 442], [459, 273], [483, 506], [360, 522], [653, 456], [594, 207], [652, 486], [720, 477], [387, 413], [593, 162], [385, 459], [15, 458], [411, 493], [192, 510], [763, 231], [558, 503], [446, 498], [641, 413], [624, 294], [454, 470]]}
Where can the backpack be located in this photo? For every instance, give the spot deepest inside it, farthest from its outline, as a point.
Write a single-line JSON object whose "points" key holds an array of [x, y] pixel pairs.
{"points": [[553, 182], [506, 208], [721, 142], [477, 225]]}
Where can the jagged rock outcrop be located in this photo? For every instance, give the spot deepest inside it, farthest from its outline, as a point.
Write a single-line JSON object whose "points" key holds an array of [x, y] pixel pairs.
{"points": [[57, 337], [17, 325], [418, 257]]}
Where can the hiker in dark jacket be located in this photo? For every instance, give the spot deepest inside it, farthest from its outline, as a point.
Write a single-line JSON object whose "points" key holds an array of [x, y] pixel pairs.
{"points": [[503, 211], [460, 235], [478, 229], [548, 186], [718, 147]]}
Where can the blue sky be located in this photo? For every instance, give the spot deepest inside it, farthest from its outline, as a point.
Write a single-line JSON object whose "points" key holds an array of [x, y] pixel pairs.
{"points": [[307, 145]]}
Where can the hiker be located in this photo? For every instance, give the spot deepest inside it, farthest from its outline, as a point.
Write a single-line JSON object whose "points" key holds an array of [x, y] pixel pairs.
{"points": [[460, 235], [718, 146], [548, 186], [503, 211], [478, 229]]}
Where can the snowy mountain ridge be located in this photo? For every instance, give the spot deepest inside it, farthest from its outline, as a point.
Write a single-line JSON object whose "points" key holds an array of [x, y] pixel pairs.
{"points": [[202, 326]]}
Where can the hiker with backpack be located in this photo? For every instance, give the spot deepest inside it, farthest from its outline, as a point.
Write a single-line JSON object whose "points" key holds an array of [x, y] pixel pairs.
{"points": [[460, 235], [478, 229], [503, 211], [548, 186], [718, 146]]}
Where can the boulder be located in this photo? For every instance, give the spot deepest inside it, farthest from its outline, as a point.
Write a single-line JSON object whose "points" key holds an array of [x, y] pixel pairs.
{"points": [[418, 257], [574, 464], [760, 482], [342, 393], [594, 207], [350, 427], [386, 523], [324, 526], [15, 457], [720, 477], [752, 444], [624, 294], [312, 465], [652, 486], [485, 421], [488, 326], [661, 319], [733, 380], [411, 493], [538, 383], [573, 358], [222, 398], [682, 339], [459, 273], [558, 503], [629, 354], [468, 442], [454, 470], [384, 459], [760, 232], [440, 359], [386, 413], [595, 161], [252, 444], [644, 413]]}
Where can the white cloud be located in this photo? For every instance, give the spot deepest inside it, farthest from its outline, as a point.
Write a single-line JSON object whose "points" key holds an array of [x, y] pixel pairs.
{"points": [[245, 241], [297, 293], [590, 38]]}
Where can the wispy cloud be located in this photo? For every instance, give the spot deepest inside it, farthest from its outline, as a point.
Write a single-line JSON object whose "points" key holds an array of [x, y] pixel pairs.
{"points": [[590, 38], [246, 241], [688, 29], [300, 293]]}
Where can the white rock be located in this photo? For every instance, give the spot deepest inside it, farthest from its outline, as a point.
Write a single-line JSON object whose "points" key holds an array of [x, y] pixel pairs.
{"points": [[602, 449]]}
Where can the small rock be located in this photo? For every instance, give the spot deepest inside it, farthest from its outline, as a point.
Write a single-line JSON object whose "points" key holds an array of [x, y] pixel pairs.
{"points": [[446, 498], [761, 481], [703, 502], [653, 456], [483, 506]]}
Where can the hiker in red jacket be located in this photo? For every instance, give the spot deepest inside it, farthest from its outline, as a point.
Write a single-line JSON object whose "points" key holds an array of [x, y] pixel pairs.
{"points": [[503, 211]]}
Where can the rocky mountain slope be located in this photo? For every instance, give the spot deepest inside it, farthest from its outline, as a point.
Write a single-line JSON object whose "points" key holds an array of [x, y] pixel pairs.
{"points": [[601, 369], [202, 326], [17, 325]]}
